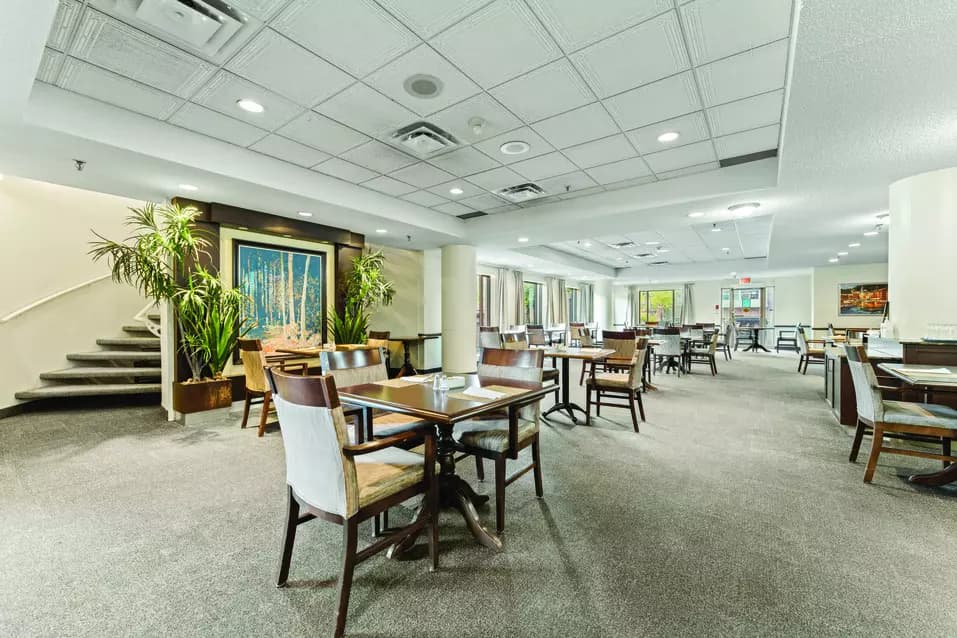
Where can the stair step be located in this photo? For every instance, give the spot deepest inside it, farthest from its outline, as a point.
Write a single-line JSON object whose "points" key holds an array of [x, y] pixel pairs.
{"points": [[100, 373], [115, 355], [153, 316], [106, 389], [137, 328], [138, 342]]}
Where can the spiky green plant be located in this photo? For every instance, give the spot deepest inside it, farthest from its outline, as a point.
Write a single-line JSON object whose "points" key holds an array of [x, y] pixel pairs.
{"points": [[365, 289], [210, 319], [352, 326]]}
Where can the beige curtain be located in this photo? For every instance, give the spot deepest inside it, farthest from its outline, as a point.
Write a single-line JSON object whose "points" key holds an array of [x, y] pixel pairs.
{"points": [[586, 303], [500, 293], [557, 301], [518, 300], [633, 312]]}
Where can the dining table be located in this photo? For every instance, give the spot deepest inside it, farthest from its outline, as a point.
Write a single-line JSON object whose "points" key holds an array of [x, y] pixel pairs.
{"points": [[315, 351], [930, 379], [585, 355], [756, 344], [416, 397], [407, 368]]}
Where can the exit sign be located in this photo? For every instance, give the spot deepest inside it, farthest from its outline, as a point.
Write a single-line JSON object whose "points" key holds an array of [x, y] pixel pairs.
{"points": [[744, 280]]}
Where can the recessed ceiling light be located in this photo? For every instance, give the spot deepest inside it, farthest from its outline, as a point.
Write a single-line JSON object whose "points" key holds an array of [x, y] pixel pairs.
{"points": [[834, 260], [188, 187], [664, 250], [745, 208], [515, 147], [855, 244], [715, 229], [305, 213], [381, 231], [843, 253], [621, 259], [670, 136], [423, 86], [587, 244], [250, 105], [870, 233], [726, 250], [522, 240], [455, 190], [652, 243], [695, 214]]}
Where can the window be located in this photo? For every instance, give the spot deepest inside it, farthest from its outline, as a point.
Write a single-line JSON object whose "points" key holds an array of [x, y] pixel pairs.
{"points": [[533, 303], [656, 306], [574, 295], [484, 314]]}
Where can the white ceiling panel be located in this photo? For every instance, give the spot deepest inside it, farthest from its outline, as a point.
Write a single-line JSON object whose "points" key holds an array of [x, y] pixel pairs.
{"points": [[50, 64], [102, 85], [224, 91], [719, 28], [576, 23], [344, 170], [690, 170], [389, 186], [468, 190], [640, 55], [424, 198], [482, 202], [495, 118], [603, 151], [124, 50], [756, 71], [423, 175], [202, 120], [453, 208], [690, 155], [661, 100], [358, 36], [496, 178], [546, 91], [428, 17], [544, 166], [617, 171], [742, 115], [378, 157], [536, 145], [507, 208], [67, 13], [761, 139], [691, 128], [366, 110], [498, 43], [262, 9], [628, 183], [281, 65], [289, 151], [577, 127], [320, 132], [568, 183], [585, 192], [464, 161], [390, 80]]}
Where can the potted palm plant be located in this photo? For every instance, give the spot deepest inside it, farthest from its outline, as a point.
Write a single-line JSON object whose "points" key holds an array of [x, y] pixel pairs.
{"points": [[365, 289]]}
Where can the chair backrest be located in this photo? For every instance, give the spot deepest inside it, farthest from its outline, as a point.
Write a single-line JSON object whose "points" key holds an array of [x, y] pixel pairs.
{"points": [[354, 367], [670, 345], [514, 341], [870, 403], [713, 344], [489, 329], [586, 339], [623, 343], [575, 330], [379, 334], [254, 364], [313, 433], [536, 336], [696, 333], [642, 332], [801, 340], [517, 365], [536, 326], [382, 344], [830, 329], [490, 339], [667, 331]]}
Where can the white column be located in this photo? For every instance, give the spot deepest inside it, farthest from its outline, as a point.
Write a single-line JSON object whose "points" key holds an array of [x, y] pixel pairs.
{"points": [[459, 296], [604, 304], [921, 264], [432, 306]]}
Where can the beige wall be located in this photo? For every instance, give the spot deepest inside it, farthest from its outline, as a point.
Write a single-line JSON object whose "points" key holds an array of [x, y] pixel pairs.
{"points": [[45, 231], [826, 283], [405, 317]]}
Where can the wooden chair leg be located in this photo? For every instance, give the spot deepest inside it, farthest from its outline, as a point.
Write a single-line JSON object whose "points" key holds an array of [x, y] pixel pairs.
{"points": [[537, 470], [246, 405], [480, 468], [800, 362], [714, 366], [641, 407], [588, 405], [500, 494], [433, 496], [581, 379], [631, 406], [267, 398], [288, 539], [350, 533], [856, 445], [597, 402], [876, 444], [945, 450]]}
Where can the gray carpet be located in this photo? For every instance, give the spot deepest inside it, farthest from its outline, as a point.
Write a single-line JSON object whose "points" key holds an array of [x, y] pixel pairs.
{"points": [[733, 513]]}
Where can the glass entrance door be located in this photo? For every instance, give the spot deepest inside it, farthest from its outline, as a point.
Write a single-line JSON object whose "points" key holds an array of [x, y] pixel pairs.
{"points": [[748, 307]]}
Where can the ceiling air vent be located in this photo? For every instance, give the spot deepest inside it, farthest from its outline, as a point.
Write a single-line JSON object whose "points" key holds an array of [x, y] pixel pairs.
{"points": [[521, 192], [424, 139], [195, 22], [623, 244], [657, 263], [473, 214]]}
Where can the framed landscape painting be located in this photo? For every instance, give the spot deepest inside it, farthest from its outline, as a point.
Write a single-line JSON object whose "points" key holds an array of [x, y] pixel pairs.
{"points": [[286, 294], [863, 300]]}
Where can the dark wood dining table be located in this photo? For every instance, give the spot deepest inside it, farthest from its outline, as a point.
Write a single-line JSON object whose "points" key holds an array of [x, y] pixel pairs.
{"points": [[445, 408], [755, 337], [567, 354], [407, 368]]}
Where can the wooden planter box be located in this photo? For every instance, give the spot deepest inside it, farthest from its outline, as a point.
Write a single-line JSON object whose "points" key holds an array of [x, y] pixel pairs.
{"points": [[202, 396]]}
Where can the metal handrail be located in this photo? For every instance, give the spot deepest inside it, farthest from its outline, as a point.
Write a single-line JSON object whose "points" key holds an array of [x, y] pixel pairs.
{"points": [[48, 298]]}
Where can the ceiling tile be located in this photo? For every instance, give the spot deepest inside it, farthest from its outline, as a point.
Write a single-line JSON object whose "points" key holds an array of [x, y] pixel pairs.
{"points": [[741, 115], [544, 166], [585, 192], [603, 151], [549, 90], [202, 120], [289, 151], [422, 175], [331, 29], [661, 100], [756, 71], [690, 170], [225, 90], [468, 190], [122, 49], [719, 28], [366, 110], [464, 161], [496, 178], [344, 170], [690, 155], [67, 13], [576, 23], [497, 43], [507, 208], [428, 17], [102, 85], [320, 132], [424, 198], [642, 54], [378, 157], [495, 118], [617, 171], [50, 64], [564, 185], [453, 208], [762, 139], [691, 128], [262, 9], [628, 183], [391, 80], [576, 127], [536, 145], [482, 202], [281, 65], [388, 186]]}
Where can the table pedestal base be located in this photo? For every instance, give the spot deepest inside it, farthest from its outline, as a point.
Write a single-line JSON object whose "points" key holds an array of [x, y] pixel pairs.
{"points": [[936, 479], [567, 408]]}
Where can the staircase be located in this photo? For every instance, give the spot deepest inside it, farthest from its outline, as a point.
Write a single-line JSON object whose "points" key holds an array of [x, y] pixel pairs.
{"points": [[128, 365]]}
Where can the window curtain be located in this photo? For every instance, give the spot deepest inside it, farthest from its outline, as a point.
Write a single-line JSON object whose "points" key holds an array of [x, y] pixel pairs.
{"points": [[687, 305], [502, 298], [586, 303], [516, 317], [633, 312], [557, 302]]}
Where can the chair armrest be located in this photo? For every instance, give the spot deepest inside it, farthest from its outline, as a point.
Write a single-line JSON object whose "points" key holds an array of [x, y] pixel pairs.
{"points": [[380, 444]]}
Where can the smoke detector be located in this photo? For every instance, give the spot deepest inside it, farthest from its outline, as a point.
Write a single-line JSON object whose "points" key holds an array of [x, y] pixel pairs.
{"points": [[424, 139], [423, 86], [521, 192]]}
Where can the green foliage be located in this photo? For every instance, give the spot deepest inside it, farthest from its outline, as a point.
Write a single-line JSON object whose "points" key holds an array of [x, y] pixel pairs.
{"points": [[365, 289], [350, 327], [210, 319]]}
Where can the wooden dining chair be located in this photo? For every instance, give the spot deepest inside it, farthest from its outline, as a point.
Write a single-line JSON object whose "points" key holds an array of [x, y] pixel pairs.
{"points": [[495, 438], [330, 478], [669, 354], [623, 384], [705, 355], [895, 419], [514, 341], [725, 338], [536, 337], [256, 387], [575, 332], [620, 360], [808, 354]]}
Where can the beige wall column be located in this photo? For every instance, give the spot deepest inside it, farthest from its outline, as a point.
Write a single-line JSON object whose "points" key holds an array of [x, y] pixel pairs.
{"points": [[459, 294], [921, 263]]}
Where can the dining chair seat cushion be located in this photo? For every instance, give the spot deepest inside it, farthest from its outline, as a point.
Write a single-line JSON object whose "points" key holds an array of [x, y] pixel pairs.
{"points": [[701, 352], [928, 414], [816, 351], [610, 380], [492, 434], [383, 473], [389, 423]]}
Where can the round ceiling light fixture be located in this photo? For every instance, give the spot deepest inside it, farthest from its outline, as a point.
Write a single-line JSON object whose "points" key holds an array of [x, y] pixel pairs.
{"points": [[715, 229], [188, 187], [455, 190], [587, 244], [381, 231], [423, 86], [304, 213], [697, 214], [843, 253], [834, 260], [251, 106], [523, 240], [515, 147], [855, 244], [871, 233], [670, 136], [745, 208], [652, 243]]}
